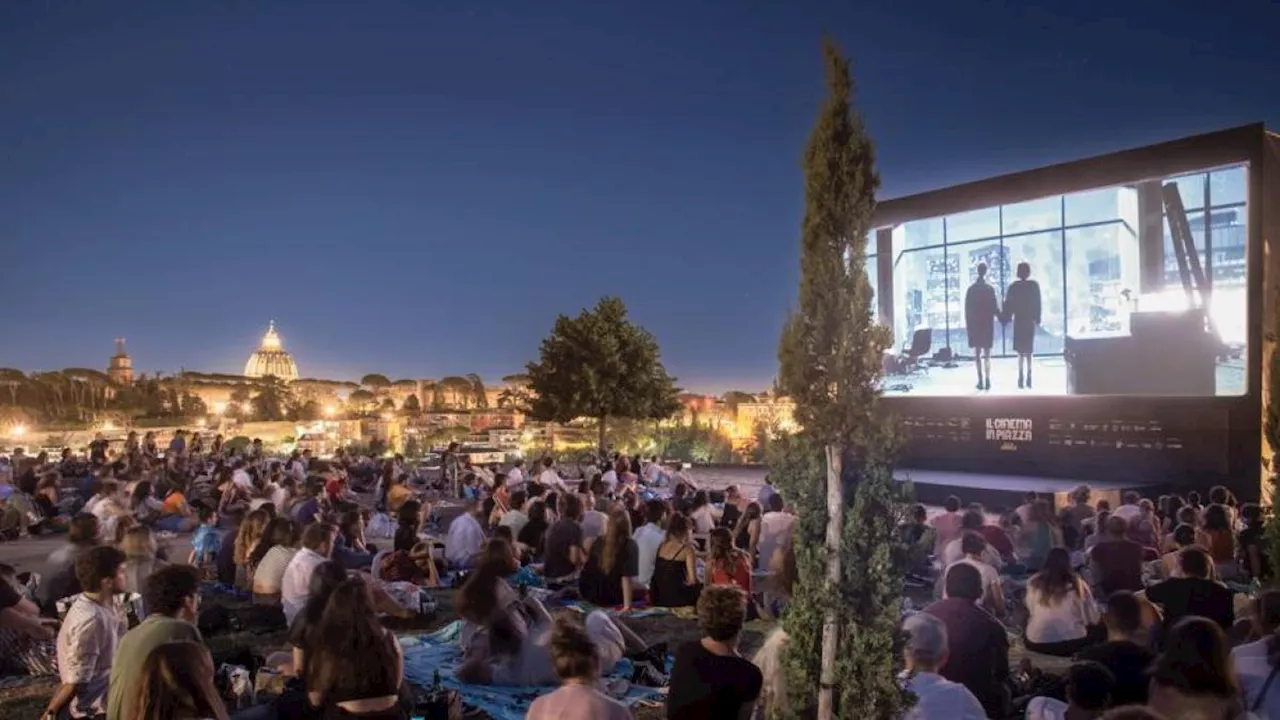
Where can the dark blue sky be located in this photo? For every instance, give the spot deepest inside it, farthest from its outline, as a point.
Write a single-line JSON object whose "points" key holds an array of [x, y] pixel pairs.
{"points": [[419, 187]]}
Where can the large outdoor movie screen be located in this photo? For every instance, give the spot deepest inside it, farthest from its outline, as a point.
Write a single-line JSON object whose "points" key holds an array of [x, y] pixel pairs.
{"points": [[1139, 289]]}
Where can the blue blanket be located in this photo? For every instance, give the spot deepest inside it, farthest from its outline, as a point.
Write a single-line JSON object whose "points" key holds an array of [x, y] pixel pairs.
{"points": [[439, 651]]}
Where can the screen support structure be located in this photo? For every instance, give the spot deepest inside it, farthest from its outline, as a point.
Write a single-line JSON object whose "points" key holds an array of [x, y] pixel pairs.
{"points": [[1184, 249]]}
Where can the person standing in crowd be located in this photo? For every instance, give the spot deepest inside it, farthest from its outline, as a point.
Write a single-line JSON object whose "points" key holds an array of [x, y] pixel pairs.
{"points": [[978, 647], [176, 683], [709, 679], [139, 547], [1022, 308], [549, 478], [1251, 544], [515, 476], [576, 663], [981, 311], [1125, 652], [172, 597], [90, 635], [61, 581], [937, 698]]}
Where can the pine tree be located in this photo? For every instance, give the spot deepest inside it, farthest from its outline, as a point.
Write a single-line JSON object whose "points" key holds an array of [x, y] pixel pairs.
{"points": [[845, 609]]}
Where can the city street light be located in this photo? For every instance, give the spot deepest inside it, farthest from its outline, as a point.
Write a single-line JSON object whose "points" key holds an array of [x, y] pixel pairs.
{"points": [[108, 426], [329, 411], [219, 407], [19, 430]]}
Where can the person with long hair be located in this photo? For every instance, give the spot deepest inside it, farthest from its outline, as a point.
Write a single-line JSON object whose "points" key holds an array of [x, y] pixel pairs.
{"points": [[353, 665], [177, 684], [1039, 535], [1193, 677], [675, 575], [270, 557], [1022, 307], [349, 546], [1063, 617], [503, 637], [140, 561], [727, 565], [746, 532], [703, 515], [611, 564], [247, 537], [1222, 540], [411, 559], [61, 582], [328, 576], [143, 504]]}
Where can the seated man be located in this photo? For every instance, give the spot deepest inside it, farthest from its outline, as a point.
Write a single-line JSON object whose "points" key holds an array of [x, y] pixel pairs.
{"points": [[709, 679], [977, 645], [936, 697], [465, 538], [1089, 689], [295, 587], [89, 636], [1194, 593]]}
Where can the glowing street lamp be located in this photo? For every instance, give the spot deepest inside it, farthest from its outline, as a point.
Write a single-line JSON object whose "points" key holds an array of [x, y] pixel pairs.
{"points": [[19, 430], [200, 422], [329, 410], [219, 408], [108, 426]]}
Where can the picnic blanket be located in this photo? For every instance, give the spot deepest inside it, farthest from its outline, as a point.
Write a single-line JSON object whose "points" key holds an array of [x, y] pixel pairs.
{"points": [[424, 655], [585, 607]]}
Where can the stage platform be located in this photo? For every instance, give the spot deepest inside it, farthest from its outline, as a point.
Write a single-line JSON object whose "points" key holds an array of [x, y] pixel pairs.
{"points": [[932, 487]]}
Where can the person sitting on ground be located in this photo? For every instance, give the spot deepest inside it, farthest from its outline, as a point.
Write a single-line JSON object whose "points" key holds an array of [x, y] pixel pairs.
{"points": [[1063, 618], [1089, 694], [918, 536], [1257, 664], [270, 557], [327, 577], [612, 562], [735, 503], [1125, 652], [349, 548], [516, 517], [1222, 541], [462, 544], [565, 554], [1188, 515], [139, 547], [975, 553], [946, 525], [398, 493], [354, 666], [247, 536], [1039, 535], [1183, 536], [60, 581], [504, 638], [295, 584], [574, 659], [595, 518], [411, 559], [144, 505], [936, 697], [1192, 677], [675, 575], [978, 647], [1116, 561], [1193, 592], [709, 679], [775, 529], [648, 538], [1129, 509], [1075, 517], [727, 565], [90, 635], [971, 522], [176, 515], [19, 615], [998, 540], [176, 683], [172, 598], [207, 540], [703, 515], [534, 534]]}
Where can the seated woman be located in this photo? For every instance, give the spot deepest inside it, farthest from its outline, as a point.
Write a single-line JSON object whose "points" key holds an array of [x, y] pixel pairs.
{"points": [[675, 573], [1193, 676], [353, 667], [1063, 618], [326, 578], [146, 508], [247, 536], [704, 515], [726, 565], [534, 533], [735, 503], [611, 564], [398, 493], [411, 559], [277, 547], [746, 533], [139, 548], [349, 549], [505, 639]]}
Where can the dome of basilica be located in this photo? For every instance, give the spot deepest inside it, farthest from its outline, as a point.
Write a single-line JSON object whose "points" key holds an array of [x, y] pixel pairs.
{"points": [[271, 359]]}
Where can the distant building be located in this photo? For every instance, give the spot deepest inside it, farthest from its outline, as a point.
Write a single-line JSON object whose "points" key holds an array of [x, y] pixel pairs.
{"points": [[120, 367], [769, 411], [271, 359]]}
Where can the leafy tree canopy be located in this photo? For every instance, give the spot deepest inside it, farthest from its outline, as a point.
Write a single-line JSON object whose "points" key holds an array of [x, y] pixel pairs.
{"points": [[374, 380], [600, 365]]}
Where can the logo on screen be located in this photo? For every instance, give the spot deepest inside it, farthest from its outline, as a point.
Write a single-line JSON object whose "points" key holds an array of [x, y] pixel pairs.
{"points": [[1009, 431]]}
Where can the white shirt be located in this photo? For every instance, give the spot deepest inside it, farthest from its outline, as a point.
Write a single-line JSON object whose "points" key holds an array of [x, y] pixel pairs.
{"points": [[610, 480], [550, 478], [516, 520], [298, 470], [242, 479], [295, 587], [1067, 618], [86, 647], [1045, 708], [1128, 512], [515, 479], [463, 541], [594, 524], [954, 551], [940, 699], [1250, 662], [704, 519], [775, 529], [990, 576], [648, 539], [652, 473]]}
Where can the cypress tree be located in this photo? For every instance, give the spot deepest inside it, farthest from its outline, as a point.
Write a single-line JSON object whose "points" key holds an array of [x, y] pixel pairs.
{"points": [[837, 472]]}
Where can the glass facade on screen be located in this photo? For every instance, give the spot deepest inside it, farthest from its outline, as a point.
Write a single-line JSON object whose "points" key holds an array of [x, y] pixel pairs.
{"points": [[1096, 261]]}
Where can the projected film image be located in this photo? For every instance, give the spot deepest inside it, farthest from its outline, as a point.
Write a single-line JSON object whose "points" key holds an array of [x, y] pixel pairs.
{"points": [[1138, 289]]}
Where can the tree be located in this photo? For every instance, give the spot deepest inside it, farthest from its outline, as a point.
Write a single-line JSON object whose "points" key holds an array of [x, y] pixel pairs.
{"points": [[375, 382], [480, 398], [272, 397], [193, 406], [360, 400], [411, 406], [831, 352], [308, 411], [600, 365], [388, 405]]}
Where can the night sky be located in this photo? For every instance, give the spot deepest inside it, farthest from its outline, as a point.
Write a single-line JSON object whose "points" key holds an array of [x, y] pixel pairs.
{"points": [[417, 188]]}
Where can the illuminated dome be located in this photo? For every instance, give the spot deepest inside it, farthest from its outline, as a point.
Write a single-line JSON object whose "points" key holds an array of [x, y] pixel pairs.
{"points": [[271, 359]]}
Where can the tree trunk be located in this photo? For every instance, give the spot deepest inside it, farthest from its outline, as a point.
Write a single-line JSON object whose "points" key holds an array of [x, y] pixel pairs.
{"points": [[830, 629], [601, 422]]}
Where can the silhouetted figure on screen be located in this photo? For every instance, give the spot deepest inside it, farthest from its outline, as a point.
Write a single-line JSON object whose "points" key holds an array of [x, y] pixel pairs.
{"points": [[1022, 307], [981, 309]]}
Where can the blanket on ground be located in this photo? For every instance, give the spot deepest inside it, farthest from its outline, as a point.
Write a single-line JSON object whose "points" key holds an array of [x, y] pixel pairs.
{"points": [[424, 655]]}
